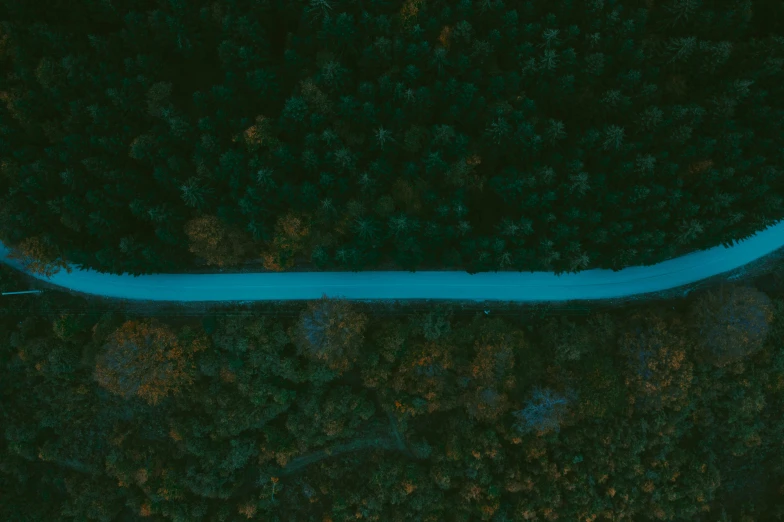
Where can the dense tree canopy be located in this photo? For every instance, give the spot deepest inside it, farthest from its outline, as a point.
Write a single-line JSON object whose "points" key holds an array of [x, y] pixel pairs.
{"points": [[153, 135], [475, 134], [332, 332], [145, 360], [230, 421]]}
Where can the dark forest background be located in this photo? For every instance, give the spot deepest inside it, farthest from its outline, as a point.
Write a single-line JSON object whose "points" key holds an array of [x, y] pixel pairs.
{"points": [[149, 135]]}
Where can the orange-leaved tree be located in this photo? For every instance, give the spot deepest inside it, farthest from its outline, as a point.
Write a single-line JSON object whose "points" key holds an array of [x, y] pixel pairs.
{"points": [[215, 242], [39, 256], [146, 359]]}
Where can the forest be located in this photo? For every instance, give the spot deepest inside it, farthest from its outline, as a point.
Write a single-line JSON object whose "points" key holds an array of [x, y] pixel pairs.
{"points": [[141, 136], [658, 412], [153, 136]]}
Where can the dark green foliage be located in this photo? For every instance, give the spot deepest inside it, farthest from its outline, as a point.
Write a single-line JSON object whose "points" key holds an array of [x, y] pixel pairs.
{"points": [[619, 133], [332, 332], [435, 324], [476, 135], [484, 421]]}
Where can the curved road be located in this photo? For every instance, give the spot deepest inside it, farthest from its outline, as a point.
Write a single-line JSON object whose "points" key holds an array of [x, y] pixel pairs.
{"points": [[504, 286]]}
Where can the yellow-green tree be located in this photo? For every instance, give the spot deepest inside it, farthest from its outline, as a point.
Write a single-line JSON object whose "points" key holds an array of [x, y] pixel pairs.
{"points": [[215, 242]]}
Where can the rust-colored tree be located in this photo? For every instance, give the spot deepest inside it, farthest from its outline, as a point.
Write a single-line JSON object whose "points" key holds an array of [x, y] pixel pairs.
{"points": [[291, 234], [424, 381], [146, 359], [330, 330], [40, 256], [659, 374], [490, 373], [731, 322], [215, 242]]}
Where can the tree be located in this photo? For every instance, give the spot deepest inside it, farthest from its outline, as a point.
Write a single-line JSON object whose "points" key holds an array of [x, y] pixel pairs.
{"points": [[88, 106], [194, 193], [486, 404], [731, 322], [68, 326], [423, 381], [147, 360], [212, 240], [291, 234], [489, 376], [494, 354], [613, 138], [337, 414], [569, 340], [659, 374], [330, 330], [544, 412], [436, 323], [39, 255], [91, 498]]}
